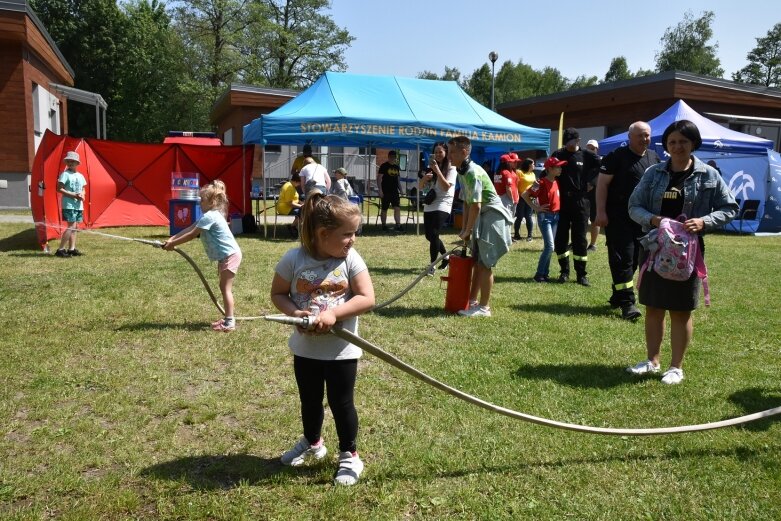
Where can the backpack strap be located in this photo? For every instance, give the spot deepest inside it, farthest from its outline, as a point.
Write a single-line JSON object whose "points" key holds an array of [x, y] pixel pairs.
{"points": [[702, 274], [646, 266]]}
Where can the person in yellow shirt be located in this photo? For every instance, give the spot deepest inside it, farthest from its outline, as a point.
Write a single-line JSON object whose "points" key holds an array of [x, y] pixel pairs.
{"points": [[300, 161], [288, 203], [526, 179]]}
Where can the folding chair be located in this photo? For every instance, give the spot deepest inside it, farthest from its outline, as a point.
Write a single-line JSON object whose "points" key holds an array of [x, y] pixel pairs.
{"points": [[748, 212]]}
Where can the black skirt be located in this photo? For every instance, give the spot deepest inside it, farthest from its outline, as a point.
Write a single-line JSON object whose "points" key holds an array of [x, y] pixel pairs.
{"points": [[671, 295]]}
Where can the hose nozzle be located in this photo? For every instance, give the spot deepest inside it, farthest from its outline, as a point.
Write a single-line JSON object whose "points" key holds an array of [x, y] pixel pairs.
{"points": [[307, 322]]}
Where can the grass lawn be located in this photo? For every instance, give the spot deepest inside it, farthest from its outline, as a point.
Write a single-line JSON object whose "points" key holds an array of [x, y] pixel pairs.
{"points": [[118, 402]]}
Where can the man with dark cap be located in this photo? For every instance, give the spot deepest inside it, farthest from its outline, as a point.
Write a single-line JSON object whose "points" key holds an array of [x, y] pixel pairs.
{"points": [[577, 178], [621, 171]]}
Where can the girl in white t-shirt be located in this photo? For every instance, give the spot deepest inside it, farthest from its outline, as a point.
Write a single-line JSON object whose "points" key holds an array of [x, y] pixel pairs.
{"points": [[219, 243], [441, 176], [327, 278]]}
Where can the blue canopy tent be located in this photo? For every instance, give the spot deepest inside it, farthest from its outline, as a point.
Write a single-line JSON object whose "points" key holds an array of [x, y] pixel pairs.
{"points": [[715, 138], [747, 163], [342, 109]]}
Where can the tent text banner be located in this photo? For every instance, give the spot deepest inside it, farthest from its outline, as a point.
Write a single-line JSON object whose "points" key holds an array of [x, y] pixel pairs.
{"points": [[393, 131]]}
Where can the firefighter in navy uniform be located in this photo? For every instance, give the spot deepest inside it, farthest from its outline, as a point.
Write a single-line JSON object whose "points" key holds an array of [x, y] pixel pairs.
{"points": [[578, 177], [620, 172]]}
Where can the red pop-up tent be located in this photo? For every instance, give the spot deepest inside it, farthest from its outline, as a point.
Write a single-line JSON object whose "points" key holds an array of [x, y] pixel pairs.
{"points": [[129, 184]]}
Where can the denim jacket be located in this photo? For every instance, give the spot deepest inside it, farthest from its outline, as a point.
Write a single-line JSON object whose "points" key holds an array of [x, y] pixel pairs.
{"points": [[706, 196]]}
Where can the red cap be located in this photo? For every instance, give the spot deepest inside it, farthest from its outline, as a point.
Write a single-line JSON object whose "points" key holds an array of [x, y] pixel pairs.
{"points": [[506, 158], [553, 161], [514, 157]]}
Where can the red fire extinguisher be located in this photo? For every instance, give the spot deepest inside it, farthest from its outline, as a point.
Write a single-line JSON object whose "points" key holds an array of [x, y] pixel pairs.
{"points": [[459, 280]]}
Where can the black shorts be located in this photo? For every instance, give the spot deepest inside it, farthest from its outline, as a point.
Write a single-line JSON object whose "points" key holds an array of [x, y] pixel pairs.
{"points": [[390, 198]]}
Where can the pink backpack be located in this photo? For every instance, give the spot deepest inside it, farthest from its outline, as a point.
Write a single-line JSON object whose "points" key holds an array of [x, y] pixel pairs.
{"points": [[676, 254]]}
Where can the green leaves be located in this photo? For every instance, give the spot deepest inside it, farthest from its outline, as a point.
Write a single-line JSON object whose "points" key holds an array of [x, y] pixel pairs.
{"points": [[764, 67], [685, 47]]}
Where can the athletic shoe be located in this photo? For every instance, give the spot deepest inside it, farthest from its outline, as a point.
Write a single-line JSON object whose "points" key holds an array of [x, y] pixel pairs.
{"points": [[350, 468], [529, 238], [541, 278], [444, 263], [221, 326], [516, 237], [75, 253], [302, 451], [430, 271], [477, 311], [564, 277], [583, 281], [630, 312], [592, 247], [644, 367], [672, 376], [62, 253]]}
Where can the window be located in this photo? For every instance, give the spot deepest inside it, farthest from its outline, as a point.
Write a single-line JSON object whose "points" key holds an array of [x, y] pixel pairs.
{"points": [[54, 125], [36, 110]]}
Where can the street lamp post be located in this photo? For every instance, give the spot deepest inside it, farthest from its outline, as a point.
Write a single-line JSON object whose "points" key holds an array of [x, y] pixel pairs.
{"points": [[493, 56]]}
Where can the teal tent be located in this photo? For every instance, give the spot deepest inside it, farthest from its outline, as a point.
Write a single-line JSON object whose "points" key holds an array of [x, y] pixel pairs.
{"points": [[342, 109]]}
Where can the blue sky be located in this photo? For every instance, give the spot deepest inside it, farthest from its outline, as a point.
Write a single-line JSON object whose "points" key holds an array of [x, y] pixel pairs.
{"points": [[405, 37]]}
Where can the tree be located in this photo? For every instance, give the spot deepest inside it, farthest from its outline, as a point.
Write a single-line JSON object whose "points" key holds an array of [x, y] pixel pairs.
{"points": [[156, 94], [515, 81], [213, 31], [685, 48], [131, 57], [478, 85], [294, 43], [618, 70], [451, 74], [583, 81], [764, 67], [91, 37]]}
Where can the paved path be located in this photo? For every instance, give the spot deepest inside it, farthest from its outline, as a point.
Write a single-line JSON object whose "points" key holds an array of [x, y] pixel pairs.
{"points": [[6, 218]]}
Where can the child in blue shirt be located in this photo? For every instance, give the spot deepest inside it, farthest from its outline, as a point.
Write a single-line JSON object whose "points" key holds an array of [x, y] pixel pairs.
{"points": [[71, 184], [219, 243]]}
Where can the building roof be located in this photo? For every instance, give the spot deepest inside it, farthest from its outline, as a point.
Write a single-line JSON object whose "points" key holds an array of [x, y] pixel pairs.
{"points": [[615, 105], [239, 94], [22, 6], [648, 81]]}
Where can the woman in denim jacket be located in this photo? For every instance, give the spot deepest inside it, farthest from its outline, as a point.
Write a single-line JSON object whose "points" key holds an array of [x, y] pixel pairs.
{"points": [[683, 185]]}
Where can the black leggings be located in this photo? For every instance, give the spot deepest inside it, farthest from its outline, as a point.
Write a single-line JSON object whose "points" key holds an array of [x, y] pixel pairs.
{"points": [[523, 211], [338, 377], [432, 225]]}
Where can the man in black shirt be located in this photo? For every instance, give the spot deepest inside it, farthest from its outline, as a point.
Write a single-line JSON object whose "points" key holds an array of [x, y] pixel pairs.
{"points": [[577, 178], [389, 185], [620, 172]]}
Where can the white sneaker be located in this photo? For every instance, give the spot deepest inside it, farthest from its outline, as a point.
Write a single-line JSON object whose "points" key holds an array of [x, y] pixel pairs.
{"points": [[430, 271], [672, 376], [477, 311], [303, 450], [644, 367], [350, 468]]}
